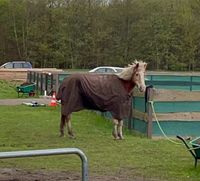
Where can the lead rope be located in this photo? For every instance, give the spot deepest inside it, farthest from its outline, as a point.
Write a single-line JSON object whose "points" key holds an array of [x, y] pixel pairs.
{"points": [[154, 113], [172, 141]]}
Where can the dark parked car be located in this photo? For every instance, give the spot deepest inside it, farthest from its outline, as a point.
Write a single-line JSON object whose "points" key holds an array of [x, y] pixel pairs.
{"points": [[17, 64]]}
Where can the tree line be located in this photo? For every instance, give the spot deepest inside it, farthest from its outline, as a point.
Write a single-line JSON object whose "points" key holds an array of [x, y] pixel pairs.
{"points": [[90, 33]]}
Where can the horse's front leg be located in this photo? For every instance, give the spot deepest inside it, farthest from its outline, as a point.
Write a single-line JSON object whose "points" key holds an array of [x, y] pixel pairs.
{"points": [[115, 129], [69, 127], [119, 129]]}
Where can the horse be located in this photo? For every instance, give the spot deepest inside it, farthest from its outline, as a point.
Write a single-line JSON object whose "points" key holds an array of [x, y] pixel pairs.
{"points": [[102, 92]]}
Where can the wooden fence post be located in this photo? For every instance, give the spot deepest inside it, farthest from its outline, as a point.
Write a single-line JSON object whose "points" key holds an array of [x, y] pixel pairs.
{"points": [[28, 77], [149, 97], [51, 87], [130, 119], [46, 82], [41, 83], [56, 81]]}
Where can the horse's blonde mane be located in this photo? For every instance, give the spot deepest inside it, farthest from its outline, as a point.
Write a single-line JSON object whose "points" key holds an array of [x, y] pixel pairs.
{"points": [[127, 72]]}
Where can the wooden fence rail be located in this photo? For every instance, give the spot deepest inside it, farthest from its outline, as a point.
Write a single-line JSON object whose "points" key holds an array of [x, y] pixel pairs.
{"points": [[177, 111]]}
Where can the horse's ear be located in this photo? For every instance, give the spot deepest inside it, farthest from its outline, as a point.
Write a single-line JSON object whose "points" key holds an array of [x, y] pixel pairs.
{"points": [[145, 65], [137, 66]]}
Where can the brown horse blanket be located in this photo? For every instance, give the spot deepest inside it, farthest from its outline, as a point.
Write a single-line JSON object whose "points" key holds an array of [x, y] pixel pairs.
{"points": [[94, 91]]}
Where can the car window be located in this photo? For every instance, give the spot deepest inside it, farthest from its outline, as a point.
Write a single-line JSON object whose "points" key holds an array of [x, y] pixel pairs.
{"points": [[8, 65], [118, 70], [26, 65], [109, 70], [100, 70], [17, 65]]}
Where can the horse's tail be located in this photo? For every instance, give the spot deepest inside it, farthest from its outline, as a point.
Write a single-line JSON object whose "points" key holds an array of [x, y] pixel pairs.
{"points": [[59, 94]]}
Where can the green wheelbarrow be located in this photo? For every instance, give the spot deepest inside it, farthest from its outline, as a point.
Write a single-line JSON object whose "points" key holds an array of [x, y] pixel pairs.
{"points": [[26, 88], [193, 147]]}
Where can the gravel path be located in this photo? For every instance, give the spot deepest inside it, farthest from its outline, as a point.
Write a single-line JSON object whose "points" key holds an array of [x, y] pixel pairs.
{"points": [[15, 102]]}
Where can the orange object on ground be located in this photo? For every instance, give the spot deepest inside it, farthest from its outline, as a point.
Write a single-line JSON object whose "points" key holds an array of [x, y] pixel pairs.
{"points": [[53, 100]]}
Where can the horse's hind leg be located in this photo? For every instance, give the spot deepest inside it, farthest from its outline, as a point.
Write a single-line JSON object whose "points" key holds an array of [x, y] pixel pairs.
{"points": [[69, 127], [119, 129], [62, 125], [115, 129]]}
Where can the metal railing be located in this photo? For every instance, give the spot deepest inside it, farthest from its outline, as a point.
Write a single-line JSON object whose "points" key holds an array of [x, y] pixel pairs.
{"points": [[50, 152]]}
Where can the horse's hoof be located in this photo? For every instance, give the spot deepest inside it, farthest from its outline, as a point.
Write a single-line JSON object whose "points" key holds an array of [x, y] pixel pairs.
{"points": [[120, 136], [61, 135], [116, 138], [72, 137]]}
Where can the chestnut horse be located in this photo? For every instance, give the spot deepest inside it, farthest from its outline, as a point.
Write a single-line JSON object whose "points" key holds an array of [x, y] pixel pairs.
{"points": [[103, 92]]}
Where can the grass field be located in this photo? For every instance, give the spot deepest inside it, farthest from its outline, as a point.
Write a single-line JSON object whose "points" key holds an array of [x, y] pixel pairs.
{"points": [[28, 128]]}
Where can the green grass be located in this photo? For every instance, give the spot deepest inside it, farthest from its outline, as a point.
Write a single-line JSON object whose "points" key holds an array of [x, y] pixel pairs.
{"points": [[7, 90], [28, 128]]}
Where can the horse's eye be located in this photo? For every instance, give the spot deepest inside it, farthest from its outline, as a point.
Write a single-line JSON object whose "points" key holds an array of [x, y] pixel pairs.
{"points": [[136, 74]]}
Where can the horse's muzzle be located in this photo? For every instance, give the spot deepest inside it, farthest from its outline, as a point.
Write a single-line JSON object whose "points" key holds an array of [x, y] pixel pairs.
{"points": [[142, 89]]}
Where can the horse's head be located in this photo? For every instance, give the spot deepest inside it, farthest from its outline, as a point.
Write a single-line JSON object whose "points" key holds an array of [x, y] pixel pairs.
{"points": [[138, 77], [135, 73]]}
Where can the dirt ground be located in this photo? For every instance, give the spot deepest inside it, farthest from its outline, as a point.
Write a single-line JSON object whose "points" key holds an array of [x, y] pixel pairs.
{"points": [[8, 174], [22, 175]]}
